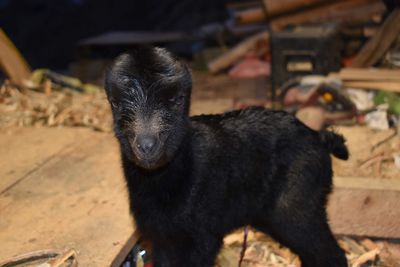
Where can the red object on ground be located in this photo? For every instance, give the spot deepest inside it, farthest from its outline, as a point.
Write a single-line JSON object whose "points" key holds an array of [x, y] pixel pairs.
{"points": [[251, 67], [348, 61]]}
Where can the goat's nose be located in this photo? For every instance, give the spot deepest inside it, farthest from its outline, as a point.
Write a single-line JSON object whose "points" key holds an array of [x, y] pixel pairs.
{"points": [[146, 144]]}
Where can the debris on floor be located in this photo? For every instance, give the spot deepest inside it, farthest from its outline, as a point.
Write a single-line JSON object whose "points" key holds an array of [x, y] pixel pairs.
{"points": [[373, 153], [262, 251], [332, 63], [44, 258], [25, 107], [358, 20], [250, 67]]}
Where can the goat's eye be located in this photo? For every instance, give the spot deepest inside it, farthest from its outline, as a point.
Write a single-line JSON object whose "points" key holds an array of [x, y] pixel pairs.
{"points": [[124, 81], [177, 100]]}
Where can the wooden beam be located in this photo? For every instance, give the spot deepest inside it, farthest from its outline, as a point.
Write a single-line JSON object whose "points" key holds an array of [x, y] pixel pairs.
{"points": [[237, 52], [367, 183], [126, 249], [369, 74], [339, 11], [370, 79], [364, 212], [251, 15], [379, 44], [274, 7], [12, 62], [390, 86], [365, 207]]}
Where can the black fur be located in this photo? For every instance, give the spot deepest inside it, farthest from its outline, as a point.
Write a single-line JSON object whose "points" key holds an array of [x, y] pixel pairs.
{"points": [[335, 144], [208, 175]]}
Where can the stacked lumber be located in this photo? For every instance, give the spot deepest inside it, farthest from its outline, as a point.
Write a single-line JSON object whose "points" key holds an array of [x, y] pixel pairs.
{"points": [[371, 78]]}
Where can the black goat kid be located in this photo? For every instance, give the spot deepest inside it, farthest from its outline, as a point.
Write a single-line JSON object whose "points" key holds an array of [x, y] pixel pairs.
{"points": [[192, 180]]}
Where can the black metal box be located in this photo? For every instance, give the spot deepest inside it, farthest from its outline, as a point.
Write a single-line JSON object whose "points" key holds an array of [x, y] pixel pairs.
{"points": [[304, 50]]}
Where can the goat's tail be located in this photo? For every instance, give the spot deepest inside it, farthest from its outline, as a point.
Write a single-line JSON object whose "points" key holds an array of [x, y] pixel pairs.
{"points": [[335, 143]]}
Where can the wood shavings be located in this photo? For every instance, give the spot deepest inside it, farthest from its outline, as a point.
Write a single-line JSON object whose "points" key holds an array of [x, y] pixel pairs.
{"points": [[53, 108], [262, 251], [371, 255]]}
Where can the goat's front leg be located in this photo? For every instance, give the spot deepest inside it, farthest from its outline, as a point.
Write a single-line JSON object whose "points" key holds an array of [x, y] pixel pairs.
{"points": [[164, 257]]}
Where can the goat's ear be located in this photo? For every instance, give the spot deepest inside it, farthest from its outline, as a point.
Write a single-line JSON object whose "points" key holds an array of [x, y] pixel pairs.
{"points": [[187, 77], [111, 85], [115, 74], [107, 81]]}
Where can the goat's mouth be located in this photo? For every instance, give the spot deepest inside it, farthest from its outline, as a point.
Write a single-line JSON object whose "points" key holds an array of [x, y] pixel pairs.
{"points": [[150, 162], [146, 151]]}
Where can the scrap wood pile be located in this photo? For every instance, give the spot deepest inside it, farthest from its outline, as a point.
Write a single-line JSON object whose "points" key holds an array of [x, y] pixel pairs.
{"points": [[55, 107], [255, 22], [375, 149], [262, 251], [364, 94]]}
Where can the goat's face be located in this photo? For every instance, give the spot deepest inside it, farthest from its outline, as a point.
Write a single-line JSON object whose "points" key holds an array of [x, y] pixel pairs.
{"points": [[149, 92]]}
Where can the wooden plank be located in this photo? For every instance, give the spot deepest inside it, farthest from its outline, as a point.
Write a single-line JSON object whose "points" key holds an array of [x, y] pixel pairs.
{"points": [[237, 52], [251, 15], [377, 46], [12, 62], [367, 74], [340, 11], [76, 199], [367, 183], [274, 7], [364, 212], [373, 85], [23, 151], [126, 249]]}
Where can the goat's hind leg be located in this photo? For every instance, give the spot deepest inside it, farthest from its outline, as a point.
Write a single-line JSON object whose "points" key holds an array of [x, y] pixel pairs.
{"points": [[298, 220], [311, 239]]}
